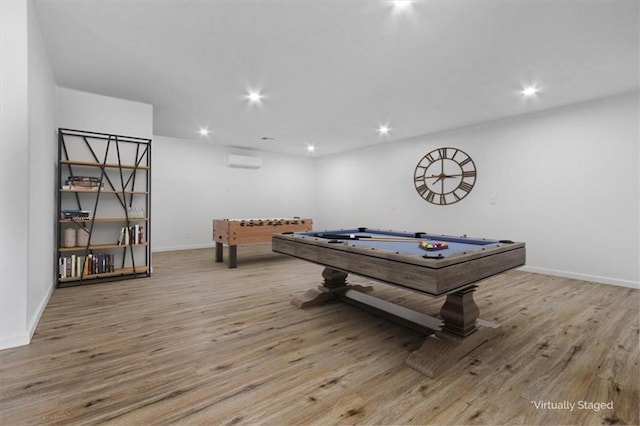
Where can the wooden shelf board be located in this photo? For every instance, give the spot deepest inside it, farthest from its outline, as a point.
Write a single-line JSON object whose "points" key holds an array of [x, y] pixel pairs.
{"points": [[104, 191], [117, 272], [101, 247], [110, 165], [105, 220]]}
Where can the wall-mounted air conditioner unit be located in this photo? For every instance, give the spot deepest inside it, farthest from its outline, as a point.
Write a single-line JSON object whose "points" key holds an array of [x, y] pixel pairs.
{"points": [[244, 162]]}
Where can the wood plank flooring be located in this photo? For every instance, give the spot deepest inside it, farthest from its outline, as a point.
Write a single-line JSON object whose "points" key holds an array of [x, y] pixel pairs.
{"points": [[198, 343]]}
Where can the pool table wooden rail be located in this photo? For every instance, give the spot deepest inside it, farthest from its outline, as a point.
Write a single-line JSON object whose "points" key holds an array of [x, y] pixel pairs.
{"points": [[432, 276]]}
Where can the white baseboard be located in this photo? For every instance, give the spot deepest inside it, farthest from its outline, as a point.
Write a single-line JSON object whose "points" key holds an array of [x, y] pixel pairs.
{"points": [[14, 341], [583, 277], [190, 247], [25, 338], [36, 318]]}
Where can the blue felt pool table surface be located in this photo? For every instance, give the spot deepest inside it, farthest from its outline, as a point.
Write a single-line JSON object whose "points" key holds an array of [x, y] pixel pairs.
{"points": [[455, 244]]}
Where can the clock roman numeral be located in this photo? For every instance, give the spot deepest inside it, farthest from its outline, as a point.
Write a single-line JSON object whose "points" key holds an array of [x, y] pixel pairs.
{"points": [[442, 152], [464, 186], [465, 161], [429, 196], [469, 173], [422, 189]]}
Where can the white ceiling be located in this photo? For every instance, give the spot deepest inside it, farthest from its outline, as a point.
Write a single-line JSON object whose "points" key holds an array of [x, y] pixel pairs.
{"points": [[332, 71]]}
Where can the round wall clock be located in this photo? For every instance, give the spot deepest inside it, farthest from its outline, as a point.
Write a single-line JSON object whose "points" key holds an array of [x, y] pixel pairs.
{"points": [[445, 176]]}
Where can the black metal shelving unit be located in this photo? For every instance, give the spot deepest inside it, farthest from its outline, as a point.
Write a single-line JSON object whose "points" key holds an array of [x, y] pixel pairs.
{"points": [[104, 194]]}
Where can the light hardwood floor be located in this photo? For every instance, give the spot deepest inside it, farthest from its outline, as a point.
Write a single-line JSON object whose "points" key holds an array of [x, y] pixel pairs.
{"points": [[198, 343]]}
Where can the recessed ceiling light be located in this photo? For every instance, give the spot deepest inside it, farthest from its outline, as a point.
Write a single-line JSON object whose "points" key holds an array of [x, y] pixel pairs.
{"points": [[384, 129], [530, 91], [203, 132], [255, 96], [401, 4], [311, 148]]}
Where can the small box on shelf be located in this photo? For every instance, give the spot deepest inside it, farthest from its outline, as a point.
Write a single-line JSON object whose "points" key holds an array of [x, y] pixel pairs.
{"points": [[135, 213]]}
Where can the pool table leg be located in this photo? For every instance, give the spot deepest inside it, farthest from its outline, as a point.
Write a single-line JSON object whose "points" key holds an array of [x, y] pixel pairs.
{"points": [[334, 280], [461, 333], [460, 312], [219, 252]]}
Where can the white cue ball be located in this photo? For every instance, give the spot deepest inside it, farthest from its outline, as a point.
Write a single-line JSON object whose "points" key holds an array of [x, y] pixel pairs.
{"points": [[352, 236]]}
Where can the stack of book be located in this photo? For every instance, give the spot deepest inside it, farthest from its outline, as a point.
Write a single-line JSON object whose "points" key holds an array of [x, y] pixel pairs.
{"points": [[83, 183], [76, 214], [131, 235], [76, 266]]}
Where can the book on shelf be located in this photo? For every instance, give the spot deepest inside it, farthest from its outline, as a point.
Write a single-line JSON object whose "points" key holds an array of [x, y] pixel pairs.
{"points": [[86, 179], [76, 266], [83, 188], [131, 235], [76, 214], [83, 183]]}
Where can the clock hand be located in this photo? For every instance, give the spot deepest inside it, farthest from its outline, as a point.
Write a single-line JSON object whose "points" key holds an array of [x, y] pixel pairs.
{"points": [[440, 177]]}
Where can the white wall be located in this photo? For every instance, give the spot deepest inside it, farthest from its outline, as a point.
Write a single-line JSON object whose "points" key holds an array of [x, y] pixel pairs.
{"points": [[96, 113], [26, 174], [42, 164], [14, 173], [565, 182], [192, 185]]}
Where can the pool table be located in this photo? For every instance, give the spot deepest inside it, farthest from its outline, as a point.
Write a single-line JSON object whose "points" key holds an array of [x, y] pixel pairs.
{"points": [[452, 267]]}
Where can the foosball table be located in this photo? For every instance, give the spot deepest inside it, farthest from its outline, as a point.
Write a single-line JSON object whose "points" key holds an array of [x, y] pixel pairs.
{"points": [[234, 232]]}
